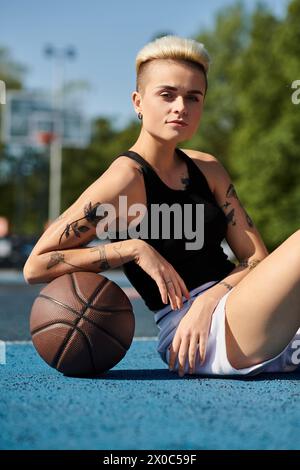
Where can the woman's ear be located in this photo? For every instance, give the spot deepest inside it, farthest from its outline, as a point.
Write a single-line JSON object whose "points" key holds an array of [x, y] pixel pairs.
{"points": [[136, 100]]}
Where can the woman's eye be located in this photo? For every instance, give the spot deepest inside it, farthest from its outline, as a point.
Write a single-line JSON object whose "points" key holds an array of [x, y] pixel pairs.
{"points": [[193, 98], [169, 95]]}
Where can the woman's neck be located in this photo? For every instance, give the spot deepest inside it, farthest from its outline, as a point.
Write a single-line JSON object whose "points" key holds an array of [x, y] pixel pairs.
{"points": [[160, 155]]}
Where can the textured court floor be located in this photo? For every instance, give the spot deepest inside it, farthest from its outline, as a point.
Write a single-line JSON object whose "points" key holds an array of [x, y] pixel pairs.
{"points": [[139, 404]]}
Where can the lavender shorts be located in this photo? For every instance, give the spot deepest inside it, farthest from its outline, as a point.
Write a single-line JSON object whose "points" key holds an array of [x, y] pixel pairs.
{"points": [[216, 361]]}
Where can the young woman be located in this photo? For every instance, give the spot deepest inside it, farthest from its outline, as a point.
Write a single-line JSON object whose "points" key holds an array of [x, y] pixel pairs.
{"points": [[214, 317]]}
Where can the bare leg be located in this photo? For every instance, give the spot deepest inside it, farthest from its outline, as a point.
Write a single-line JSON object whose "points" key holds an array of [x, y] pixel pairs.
{"points": [[263, 310]]}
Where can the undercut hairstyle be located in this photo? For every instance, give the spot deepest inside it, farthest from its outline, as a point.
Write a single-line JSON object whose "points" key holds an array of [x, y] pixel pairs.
{"points": [[173, 48]]}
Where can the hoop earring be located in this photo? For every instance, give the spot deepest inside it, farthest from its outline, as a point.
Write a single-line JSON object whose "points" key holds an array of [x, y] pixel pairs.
{"points": [[140, 116]]}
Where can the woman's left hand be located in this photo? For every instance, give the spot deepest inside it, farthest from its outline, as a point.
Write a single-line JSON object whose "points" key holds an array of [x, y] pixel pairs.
{"points": [[192, 333]]}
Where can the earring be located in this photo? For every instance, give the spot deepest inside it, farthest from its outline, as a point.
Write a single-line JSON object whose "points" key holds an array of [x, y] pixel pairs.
{"points": [[140, 116]]}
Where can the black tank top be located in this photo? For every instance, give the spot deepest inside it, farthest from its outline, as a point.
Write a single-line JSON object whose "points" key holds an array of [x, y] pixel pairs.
{"points": [[196, 267]]}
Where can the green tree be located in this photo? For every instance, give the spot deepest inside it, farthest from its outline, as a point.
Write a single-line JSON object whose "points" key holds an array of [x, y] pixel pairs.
{"points": [[249, 121], [81, 167], [12, 74], [265, 147], [225, 42]]}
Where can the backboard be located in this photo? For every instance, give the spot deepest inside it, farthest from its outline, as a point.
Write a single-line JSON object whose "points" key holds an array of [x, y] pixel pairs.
{"points": [[28, 113]]}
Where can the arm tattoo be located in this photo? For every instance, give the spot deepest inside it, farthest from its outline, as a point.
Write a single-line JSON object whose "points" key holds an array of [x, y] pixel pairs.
{"points": [[139, 169], [229, 287], [89, 215], [230, 217], [249, 264], [226, 205], [118, 251], [56, 258], [249, 220], [103, 260], [231, 192]]}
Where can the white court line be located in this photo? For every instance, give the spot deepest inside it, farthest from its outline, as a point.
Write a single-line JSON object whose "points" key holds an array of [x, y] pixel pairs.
{"points": [[145, 338], [18, 342], [138, 338]]}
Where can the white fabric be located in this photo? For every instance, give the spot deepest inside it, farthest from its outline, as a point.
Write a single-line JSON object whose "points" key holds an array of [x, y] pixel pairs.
{"points": [[216, 361]]}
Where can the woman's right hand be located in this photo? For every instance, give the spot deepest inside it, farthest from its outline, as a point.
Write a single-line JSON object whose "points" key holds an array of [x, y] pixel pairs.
{"points": [[169, 283]]}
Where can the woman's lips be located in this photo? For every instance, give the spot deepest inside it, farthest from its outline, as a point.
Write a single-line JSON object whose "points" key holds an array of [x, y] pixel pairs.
{"points": [[180, 124]]}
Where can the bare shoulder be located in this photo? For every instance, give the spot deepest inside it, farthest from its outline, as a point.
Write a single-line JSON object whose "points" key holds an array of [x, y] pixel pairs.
{"points": [[126, 167], [121, 175], [200, 156], [127, 173], [120, 178], [207, 163], [126, 164]]}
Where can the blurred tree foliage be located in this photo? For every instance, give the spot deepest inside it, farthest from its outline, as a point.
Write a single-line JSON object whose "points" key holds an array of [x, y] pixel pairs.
{"points": [[11, 73], [265, 147], [249, 122], [81, 167]]}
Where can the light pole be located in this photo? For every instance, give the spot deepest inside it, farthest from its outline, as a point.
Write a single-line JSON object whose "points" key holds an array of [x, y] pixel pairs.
{"points": [[60, 55]]}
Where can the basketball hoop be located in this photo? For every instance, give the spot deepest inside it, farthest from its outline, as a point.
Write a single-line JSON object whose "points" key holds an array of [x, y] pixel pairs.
{"points": [[45, 138]]}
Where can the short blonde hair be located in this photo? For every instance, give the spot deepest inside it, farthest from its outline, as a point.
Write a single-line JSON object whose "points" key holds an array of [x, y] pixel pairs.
{"points": [[172, 48]]}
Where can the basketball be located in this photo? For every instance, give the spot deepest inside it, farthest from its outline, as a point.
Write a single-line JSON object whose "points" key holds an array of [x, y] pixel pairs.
{"points": [[82, 324]]}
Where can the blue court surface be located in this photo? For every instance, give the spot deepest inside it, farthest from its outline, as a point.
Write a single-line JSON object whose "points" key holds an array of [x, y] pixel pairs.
{"points": [[139, 404]]}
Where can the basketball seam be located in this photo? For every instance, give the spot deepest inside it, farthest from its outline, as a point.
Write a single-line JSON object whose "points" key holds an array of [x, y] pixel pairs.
{"points": [[69, 336], [92, 298], [55, 360], [120, 309], [74, 285], [53, 322], [61, 322], [109, 309], [67, 307]]}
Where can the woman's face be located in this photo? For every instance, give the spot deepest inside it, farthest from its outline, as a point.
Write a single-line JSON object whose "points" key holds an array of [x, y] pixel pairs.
{"points": [[171, 91]]}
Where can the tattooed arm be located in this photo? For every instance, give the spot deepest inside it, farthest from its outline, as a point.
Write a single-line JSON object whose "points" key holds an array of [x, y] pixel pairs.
{"points": [[99, 258], [242, 236], [62, 247], [234, 277]]}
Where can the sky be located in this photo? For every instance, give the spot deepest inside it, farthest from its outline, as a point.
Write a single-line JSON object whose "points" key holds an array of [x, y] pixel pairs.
{"points": [[107, 36]]}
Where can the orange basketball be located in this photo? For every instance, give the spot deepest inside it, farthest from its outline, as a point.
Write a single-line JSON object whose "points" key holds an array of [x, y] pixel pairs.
{"points": [[82, 324]]}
